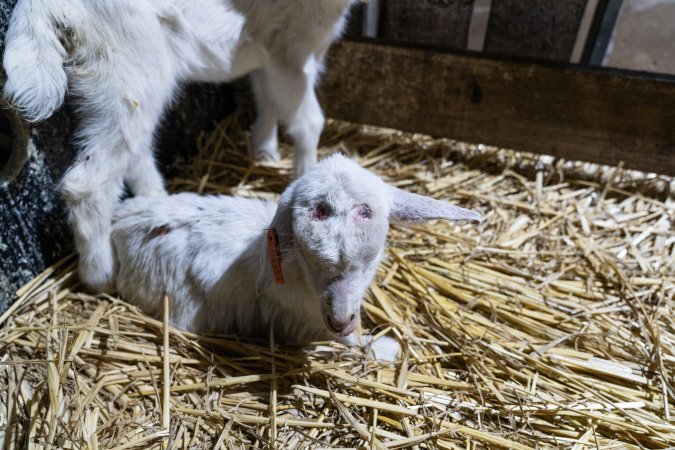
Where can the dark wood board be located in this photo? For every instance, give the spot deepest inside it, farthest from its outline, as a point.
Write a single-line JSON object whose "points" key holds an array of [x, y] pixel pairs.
{"points": [[602, 115], [544, 29], [437, 22]]}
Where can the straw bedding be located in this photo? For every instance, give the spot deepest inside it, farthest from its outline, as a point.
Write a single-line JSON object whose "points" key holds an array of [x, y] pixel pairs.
{"points": [[551, 325]]}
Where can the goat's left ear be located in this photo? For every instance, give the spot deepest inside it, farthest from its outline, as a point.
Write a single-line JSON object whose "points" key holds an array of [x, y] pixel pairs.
{"points": [[407, 207]]}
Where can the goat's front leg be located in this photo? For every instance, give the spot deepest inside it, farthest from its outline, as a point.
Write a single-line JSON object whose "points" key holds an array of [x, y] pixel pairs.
{"points": [[292, 92]]}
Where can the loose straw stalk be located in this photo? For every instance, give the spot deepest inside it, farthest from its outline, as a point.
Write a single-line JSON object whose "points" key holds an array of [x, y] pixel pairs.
{"points": [[166, 393]]}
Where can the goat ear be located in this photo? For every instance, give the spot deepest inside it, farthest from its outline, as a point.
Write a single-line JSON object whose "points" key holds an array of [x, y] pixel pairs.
{"points": [[408, 207], [282, 224]]}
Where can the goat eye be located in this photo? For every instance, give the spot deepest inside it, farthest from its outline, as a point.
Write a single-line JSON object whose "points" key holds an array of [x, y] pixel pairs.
{"points": [[320, 212], [363, 212]]}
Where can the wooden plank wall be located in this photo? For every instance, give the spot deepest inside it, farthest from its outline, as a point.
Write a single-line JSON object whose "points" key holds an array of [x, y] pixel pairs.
{"points": [[601, 116]]}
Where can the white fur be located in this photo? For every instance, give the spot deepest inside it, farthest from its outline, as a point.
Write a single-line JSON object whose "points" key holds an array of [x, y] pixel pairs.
{"points": [[123, 61], [210, 254]]}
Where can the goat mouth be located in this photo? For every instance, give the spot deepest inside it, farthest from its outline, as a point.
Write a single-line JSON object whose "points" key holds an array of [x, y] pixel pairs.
{"points": [[340, 332]]}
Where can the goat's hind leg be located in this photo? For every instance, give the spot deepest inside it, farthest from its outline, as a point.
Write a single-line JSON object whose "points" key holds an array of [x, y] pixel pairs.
{"points": [[142, 176], [265, 129], [116, 147], [91, 189], [291, 91], [93, 185]]}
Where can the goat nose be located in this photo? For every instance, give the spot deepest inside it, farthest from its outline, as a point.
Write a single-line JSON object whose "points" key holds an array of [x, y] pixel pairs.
{"points": [[342, 327]]}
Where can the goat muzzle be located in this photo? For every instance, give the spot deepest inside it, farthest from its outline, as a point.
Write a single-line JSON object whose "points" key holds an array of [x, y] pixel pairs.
{"points": [[342, 328]]}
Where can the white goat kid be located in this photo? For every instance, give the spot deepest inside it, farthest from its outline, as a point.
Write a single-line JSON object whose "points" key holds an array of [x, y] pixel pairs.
{"points": [[225, 272], [124, 59]]}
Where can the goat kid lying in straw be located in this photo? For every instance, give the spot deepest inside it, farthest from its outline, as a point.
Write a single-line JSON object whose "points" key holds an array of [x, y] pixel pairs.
{"points": [[124, 60], [236, 265]]}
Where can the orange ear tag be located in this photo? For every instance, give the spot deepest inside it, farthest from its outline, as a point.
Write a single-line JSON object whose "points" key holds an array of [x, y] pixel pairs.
{"points": [[275, 257]]}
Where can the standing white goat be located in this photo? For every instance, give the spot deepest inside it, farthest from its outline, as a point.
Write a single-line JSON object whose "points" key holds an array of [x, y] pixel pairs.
{"points": [[123, 61], [237, 265]]}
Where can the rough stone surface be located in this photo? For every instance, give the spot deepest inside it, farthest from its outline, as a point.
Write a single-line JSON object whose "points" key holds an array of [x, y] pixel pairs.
{"points": [[33, 232], [33, 229], [6, 7]]}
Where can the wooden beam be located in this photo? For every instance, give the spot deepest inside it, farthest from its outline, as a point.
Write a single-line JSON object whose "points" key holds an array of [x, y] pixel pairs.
{"points": [[599, 115]]}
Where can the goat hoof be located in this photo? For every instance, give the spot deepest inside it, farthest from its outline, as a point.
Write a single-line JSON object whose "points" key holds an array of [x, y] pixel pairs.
{"points": [[97, 273], [98, 283], [386, 349], [266, 155]]}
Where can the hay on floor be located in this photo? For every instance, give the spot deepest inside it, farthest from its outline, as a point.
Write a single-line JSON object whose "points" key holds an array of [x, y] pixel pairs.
{"points": [[552, 325]]}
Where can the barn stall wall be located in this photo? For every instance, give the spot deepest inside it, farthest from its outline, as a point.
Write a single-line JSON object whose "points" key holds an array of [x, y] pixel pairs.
{"points": [[552, 298]]}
